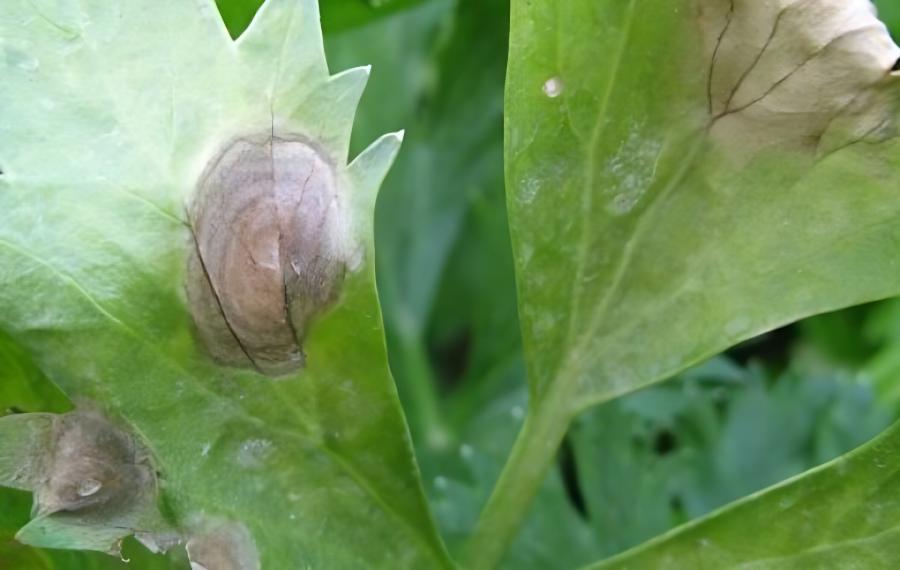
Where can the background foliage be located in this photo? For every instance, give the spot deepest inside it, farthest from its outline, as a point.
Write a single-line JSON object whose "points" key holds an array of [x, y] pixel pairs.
{"points": [[629, 469]]}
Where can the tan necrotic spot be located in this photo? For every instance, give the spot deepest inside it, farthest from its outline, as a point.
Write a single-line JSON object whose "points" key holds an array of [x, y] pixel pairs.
{"points": [[93, 467], [269, 250], [786, 73]]}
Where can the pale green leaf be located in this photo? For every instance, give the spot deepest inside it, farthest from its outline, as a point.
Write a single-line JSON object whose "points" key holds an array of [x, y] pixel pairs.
{"points": [[22, 437], [109, 114]]}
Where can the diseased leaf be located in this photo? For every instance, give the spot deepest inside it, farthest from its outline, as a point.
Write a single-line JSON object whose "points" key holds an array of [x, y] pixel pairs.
{"points": [[22, 385], [108, 117], [692, 229], [682, 176]]}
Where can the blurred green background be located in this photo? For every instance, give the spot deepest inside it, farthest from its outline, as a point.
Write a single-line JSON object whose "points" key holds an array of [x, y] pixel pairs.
{"points": [[629, 470]]}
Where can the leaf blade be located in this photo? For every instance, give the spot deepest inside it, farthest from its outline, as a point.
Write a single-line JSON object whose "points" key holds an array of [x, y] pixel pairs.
{"points": [[94, 233]]}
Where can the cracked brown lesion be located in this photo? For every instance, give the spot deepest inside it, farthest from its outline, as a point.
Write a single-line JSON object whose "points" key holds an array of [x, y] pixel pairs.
{"points": [[94, 481], [813, 60], [265, 207], [206, 283]]}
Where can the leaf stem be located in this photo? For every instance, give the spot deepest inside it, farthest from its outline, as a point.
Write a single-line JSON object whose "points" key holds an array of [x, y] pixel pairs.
{"points": [[425, 416], [530, 460]]}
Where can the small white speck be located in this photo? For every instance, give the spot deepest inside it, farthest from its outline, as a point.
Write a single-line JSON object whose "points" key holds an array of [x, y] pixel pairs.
{"points": [[88, 487], [204, 451], [466, 451], [254, 452], [553, 87], [440, 483], [517, 412]]}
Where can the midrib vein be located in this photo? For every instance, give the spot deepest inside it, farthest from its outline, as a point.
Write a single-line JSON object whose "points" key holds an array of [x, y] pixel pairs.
{"points": [[587, 198]]}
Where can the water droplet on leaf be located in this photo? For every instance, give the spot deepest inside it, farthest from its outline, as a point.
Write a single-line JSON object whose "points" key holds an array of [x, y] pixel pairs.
{"points": [[553, 87]]}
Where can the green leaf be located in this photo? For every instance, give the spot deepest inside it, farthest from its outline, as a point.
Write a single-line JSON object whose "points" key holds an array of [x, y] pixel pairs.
{"points": [[237, 14], [108, 117], [337, 15], [652, 460], [681, 177], [14, 507], [840, 515], [410, 260], [439, 73], [555, 535], [889, 12], [343, 14]]}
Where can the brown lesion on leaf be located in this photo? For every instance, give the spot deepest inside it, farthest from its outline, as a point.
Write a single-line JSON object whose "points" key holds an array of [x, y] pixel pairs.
{"points": [[269, 250], [809, 75], [93, 468], [94, 482]]}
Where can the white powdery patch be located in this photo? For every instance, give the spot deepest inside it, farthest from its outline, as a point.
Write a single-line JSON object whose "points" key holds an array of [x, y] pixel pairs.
{"points": [[628, 174], [788, 74], [222, 545], [253, 453]]}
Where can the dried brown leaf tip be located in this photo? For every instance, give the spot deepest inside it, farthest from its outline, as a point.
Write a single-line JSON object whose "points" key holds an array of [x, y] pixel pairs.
{"points": [[269, 253], [797, 74]]}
